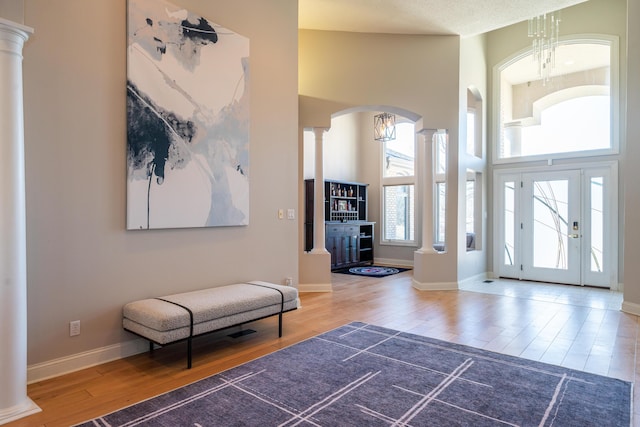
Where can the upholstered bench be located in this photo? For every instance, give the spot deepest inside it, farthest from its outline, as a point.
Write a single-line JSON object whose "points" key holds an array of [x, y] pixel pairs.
{"points": [[183, 316]]}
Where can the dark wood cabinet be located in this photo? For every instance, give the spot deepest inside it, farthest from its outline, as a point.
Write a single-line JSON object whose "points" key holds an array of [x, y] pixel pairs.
{"points": [[348, 234]]}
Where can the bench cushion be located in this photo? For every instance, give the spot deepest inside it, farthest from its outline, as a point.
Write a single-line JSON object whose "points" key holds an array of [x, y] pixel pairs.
{"points": [[214, 308]]}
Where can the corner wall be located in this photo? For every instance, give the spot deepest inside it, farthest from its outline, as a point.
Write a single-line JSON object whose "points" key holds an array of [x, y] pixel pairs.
{"points": [[631, 175], [473, 74]]}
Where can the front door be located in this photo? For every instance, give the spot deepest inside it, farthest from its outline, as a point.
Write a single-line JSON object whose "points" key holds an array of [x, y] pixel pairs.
{"points": [[558, 226], [551, 227]]}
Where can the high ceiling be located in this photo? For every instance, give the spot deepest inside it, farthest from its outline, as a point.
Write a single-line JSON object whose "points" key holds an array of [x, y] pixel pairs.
{"points": [[461, 17]]}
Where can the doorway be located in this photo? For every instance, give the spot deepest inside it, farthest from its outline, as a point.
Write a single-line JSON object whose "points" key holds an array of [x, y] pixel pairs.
{"points": [[557, 226]]}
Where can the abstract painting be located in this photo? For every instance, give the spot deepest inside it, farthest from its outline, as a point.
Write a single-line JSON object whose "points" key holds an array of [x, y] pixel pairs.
{"points": [[187, 120]]}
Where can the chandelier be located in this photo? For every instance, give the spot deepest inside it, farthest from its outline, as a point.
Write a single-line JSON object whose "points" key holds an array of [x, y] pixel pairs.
{"points": [[544, 29], [384, 127]]}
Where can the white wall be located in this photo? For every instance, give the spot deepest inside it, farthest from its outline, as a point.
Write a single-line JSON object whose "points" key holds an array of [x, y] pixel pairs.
{"points": [[473, 74], [82, 264]]}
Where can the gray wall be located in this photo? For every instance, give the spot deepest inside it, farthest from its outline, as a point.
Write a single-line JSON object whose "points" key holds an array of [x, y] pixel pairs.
{"points": [[632, 172], [82, 264]]}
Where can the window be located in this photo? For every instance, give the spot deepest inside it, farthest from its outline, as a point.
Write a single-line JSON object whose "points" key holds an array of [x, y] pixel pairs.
{"points": [[471, 131], [474, 122], [398, 187], [399, 213], [544, 119], [440, 202], [473, 210]]}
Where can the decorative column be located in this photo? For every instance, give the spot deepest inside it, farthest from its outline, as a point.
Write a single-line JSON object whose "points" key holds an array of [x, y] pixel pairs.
{"points": [[14, 402], [432, 270], [318, 195], [427, 181]]}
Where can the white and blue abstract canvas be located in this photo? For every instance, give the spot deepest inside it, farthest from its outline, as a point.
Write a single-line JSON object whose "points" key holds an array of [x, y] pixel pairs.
{"points": [[187, 120]]}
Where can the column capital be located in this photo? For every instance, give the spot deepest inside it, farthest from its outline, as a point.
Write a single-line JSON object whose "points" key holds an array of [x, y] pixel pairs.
{"points": [[320, 131], [14, 33], [425, 132]]}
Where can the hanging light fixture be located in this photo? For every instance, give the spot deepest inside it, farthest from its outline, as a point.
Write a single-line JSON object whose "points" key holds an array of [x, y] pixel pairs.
{"points": [[544, 30], [384, 127]]}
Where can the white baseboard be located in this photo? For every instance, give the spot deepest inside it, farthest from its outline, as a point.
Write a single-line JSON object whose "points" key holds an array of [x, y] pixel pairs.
{"points": [[394, 262], [13, 413], [75, 362], [315, 287], [474, 279], [631, 308], [443, 286]]}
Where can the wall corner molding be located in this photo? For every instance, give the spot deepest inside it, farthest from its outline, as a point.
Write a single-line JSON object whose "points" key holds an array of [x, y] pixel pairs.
{"points": [[315, 287], [435, 286], [631, 308]]}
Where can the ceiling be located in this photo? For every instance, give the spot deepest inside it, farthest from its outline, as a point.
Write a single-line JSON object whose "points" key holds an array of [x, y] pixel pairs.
{"points": [[462, 17]]}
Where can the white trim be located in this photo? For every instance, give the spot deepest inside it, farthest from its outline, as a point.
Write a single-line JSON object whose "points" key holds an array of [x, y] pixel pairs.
{"points": [[315, 287], [87, 359], [28, 407], [631, 308], [394, 262], [441, 286]]}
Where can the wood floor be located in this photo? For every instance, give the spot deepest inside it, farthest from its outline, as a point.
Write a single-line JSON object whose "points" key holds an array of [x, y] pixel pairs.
{"points": [[580, 328]]}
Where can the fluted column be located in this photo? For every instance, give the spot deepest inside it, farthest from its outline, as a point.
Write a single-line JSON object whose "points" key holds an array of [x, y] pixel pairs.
{"points": [[426, 175], [14, 402], [318, 195]]}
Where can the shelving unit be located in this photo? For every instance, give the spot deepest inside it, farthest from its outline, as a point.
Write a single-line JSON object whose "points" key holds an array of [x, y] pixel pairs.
{"points": [[347, 201], [348, 234]]}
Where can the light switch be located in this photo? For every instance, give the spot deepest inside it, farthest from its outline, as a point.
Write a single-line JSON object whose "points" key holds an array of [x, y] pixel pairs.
{"points": [[280, 213]]}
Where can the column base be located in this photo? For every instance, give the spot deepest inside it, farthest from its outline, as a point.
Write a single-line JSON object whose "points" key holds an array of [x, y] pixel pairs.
{"points": [[315, 272], [19, 411], [434, 271]]}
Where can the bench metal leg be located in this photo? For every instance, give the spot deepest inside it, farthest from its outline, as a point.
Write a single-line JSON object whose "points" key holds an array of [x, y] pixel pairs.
{"points": [[189, 352], [280, 325]]}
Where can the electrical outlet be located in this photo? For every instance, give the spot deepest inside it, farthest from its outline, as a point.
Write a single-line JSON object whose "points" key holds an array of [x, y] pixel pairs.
{"points": [[288, 281], [291, 214], [74, 328]]}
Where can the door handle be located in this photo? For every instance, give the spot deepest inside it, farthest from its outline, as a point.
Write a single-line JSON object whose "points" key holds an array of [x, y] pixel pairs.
{"points": [[574, 236]]}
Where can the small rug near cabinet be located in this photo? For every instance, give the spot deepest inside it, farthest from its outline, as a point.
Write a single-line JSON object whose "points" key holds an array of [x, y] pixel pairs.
{"points": [[364, 375], [371, 270]]}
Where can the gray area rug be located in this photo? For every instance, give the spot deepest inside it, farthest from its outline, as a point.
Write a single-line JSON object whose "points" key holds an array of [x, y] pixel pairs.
{"points": [[363, 375]]}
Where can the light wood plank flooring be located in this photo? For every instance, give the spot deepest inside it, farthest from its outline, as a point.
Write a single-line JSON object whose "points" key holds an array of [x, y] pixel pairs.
{"points": [[581, 328]]}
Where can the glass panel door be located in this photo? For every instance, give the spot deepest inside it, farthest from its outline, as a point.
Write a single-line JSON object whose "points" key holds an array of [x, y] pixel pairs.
{"points": [[508, 225], [551, 227], [600, 241]]}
